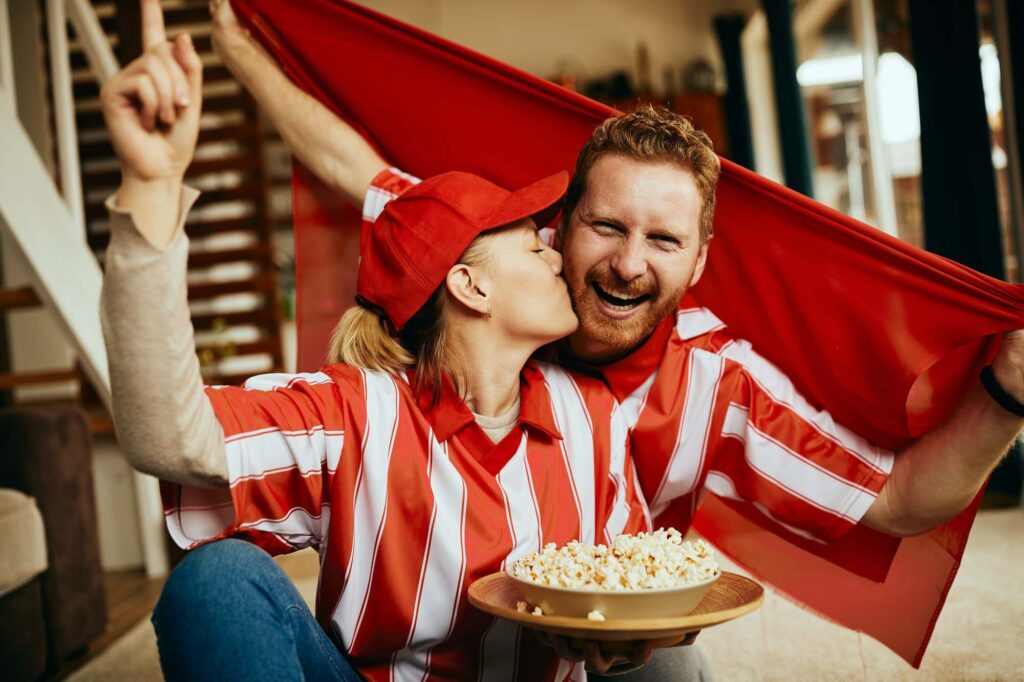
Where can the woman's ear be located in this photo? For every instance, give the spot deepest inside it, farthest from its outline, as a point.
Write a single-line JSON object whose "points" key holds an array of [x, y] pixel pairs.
{"points": [[470, 287]]}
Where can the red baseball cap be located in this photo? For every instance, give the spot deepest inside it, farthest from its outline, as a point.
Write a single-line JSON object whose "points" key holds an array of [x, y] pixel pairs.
{"points": [[406, 253]]}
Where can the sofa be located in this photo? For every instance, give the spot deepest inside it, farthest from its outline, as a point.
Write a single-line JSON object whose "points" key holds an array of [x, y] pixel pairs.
{"points": [[52, 601]]}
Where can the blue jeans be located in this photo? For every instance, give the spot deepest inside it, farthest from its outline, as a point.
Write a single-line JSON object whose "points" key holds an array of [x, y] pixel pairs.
{"points": [[228, 612]]}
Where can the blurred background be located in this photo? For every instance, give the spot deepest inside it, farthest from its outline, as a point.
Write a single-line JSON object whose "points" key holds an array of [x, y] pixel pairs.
{"points": [[905, 114]]}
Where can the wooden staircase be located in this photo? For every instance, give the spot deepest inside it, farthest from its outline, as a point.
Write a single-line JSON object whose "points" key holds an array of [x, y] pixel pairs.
{"points": [[233, 281]]}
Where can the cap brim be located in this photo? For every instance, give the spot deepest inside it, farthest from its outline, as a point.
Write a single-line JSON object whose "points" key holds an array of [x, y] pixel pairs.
{"points": [[540, 199]]}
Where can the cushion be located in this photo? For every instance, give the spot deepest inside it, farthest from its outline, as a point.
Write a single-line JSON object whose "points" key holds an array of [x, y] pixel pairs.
{"points": [[22, 540]]}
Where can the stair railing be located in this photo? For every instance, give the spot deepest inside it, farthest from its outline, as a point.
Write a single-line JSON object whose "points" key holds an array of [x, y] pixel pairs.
{"points": [[47, 223]]}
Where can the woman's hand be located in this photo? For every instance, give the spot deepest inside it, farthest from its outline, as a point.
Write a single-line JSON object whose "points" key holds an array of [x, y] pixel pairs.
{"points": [[152, 106]]}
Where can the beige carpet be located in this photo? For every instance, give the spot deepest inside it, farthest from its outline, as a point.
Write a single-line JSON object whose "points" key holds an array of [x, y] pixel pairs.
{"points": [[978, 637]]}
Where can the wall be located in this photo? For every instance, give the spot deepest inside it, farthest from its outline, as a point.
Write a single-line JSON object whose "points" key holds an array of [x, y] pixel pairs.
{"points": [[589, 37], [36, 340]]}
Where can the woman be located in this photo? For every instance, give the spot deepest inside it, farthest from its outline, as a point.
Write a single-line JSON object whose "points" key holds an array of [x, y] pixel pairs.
{"points": [[432, 456]]}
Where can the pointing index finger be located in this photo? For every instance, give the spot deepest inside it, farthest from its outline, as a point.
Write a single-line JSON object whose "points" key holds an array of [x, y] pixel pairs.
{"points": [[153, 32]]}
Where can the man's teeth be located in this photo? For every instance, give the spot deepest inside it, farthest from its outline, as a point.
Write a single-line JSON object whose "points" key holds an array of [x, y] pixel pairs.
{"points": [[618, 301]]}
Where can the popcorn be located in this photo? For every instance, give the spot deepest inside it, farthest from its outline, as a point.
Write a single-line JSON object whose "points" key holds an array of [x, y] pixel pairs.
{"points": [[596, 615], [522, 606], [537, 611], [632, 562]]}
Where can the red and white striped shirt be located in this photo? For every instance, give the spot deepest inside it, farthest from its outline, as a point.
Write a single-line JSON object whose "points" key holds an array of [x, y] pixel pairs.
{"points": [[707, 413], [408, 503]]}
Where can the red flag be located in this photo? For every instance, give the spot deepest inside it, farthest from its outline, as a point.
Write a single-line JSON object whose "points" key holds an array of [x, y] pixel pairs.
{"points": [[883, 335]]}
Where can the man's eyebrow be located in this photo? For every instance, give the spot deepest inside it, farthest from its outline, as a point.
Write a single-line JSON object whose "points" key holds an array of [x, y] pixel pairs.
{"points": [[598, 217]]}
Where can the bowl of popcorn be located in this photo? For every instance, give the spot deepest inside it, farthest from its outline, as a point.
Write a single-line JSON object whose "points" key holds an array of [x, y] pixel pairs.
{"points": [[648, 575]]}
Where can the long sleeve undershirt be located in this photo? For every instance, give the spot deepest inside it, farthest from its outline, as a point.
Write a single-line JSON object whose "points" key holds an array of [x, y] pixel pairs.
{"points": [[165, 423]]}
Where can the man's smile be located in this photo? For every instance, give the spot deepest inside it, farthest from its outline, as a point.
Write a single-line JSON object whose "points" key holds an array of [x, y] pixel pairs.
{"points": [[617, 305]]}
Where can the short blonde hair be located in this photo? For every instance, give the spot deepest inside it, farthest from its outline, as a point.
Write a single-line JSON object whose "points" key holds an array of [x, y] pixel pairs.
{"points": [[652, 134], [363, 338]]}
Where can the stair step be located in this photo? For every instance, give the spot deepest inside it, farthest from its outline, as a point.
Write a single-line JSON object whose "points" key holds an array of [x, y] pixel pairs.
{"points": [[263, 283], [240, 132], [80, 62], [249, 190], [96, 179], [205, 259], [19, 297], [266, 346], [194, 14], [263, 316], [10, 380], [90, 89], [195, 230], [234, 101]]}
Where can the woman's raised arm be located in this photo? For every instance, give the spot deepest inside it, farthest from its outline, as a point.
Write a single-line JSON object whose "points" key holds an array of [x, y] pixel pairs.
{"points": [[165, 423]]}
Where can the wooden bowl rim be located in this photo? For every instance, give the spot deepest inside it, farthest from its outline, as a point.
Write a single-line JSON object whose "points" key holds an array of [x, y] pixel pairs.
{"points": [[642, 626]]}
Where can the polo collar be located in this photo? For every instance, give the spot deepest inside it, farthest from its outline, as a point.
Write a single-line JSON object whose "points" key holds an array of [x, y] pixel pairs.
{"points": [[450, 414], [689, 321], [626, 375]]}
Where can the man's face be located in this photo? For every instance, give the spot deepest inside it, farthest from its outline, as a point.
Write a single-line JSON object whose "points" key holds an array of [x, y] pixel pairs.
{"points": [[632, 248]]}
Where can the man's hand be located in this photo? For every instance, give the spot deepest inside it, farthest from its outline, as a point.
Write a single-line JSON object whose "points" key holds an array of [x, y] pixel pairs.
{"points": [[152, 106], [228, 33], [1008, 366], [326, 145], [597, 659], [224, 20], [937, 477]]}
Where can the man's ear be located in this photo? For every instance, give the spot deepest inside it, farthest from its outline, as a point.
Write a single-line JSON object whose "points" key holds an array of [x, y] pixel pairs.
{"points": [[702, 259], [470, 287]]}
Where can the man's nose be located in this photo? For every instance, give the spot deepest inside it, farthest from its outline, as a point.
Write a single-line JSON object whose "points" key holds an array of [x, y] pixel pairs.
{"points": [[628, 261]]}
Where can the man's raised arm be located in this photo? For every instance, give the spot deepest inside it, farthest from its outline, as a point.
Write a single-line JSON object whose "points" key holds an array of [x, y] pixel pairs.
{"points": [[328, 146], [937, 477]]}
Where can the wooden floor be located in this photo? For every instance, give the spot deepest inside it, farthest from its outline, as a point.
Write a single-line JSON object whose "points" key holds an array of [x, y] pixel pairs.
{"points": [[131, 597]]}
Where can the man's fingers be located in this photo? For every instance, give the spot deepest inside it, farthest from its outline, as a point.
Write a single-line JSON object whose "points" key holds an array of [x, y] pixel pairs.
{"points": [[153, 32], [564, 648], [642, 652], [598, 661], [690, 638]]}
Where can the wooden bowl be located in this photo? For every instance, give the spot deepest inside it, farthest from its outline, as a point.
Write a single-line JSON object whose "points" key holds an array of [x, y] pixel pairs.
{"points": [[729, 597], [653, 603]]}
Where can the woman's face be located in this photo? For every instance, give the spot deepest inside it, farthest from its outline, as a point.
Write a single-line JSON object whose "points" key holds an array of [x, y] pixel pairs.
{"points": [[528, 297]]}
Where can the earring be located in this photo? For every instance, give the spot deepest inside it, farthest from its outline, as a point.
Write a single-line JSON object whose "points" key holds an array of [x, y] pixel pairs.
{"points": [[487, 313]]}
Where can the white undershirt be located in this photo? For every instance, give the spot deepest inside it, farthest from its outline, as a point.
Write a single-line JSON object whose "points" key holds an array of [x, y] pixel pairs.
{"points": [[498, 427]]}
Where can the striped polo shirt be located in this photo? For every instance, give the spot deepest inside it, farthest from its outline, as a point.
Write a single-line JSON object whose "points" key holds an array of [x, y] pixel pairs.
{"points": [[408, 502]]}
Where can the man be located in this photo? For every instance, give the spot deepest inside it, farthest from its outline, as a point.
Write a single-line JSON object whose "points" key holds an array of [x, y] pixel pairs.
{"points": [[707, 413]]}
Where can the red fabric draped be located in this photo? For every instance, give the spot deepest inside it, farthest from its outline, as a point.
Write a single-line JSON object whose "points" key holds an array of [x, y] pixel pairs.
{"points": [[883, 335]]}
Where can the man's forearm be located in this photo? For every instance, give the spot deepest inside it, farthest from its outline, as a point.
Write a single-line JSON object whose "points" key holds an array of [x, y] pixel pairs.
{"points": [[937, 477], [325, 144]]}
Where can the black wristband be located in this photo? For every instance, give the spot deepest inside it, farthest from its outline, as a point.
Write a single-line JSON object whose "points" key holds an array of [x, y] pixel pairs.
{"points": [[998, 393]]}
